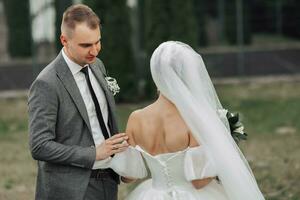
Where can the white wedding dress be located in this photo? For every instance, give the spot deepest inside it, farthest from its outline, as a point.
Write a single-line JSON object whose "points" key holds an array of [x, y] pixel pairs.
{"points": [[181, 76], [171, 174]]}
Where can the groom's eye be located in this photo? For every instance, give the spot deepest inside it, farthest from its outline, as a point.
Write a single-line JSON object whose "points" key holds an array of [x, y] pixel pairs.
{"points": [[85, 45]]}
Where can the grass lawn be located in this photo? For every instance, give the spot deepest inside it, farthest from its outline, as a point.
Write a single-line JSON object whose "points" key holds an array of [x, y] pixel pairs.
{"points": [[271, 114]]}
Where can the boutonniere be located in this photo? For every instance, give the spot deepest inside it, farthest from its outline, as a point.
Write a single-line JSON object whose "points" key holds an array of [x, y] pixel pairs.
{"points": [[112, 85], [236, 126]]}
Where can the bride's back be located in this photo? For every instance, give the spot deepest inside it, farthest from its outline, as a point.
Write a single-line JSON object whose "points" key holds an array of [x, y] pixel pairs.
{"points": [[159, 128]]}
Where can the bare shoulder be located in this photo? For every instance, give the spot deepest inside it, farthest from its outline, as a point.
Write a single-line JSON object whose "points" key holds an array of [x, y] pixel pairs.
{"points": [[133, 126], [134, 116], [142, 113]]}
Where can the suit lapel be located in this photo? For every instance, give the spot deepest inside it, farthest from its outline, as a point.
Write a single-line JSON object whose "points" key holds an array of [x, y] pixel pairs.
{"points": [[100, 77], [66, 77]]}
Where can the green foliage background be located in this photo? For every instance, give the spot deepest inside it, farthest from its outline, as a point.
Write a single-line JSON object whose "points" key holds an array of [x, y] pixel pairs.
{"points": [[60, 7], [116, 50], [19, 29]]}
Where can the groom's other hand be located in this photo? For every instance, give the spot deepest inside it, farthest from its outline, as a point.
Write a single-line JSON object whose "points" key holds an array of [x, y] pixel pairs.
{"points": [[112, 145]]}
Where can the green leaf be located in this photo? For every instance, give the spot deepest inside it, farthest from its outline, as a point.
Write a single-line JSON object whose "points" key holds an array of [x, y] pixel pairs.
{"points": [[234, 119], [237, 125], [240, 136]]}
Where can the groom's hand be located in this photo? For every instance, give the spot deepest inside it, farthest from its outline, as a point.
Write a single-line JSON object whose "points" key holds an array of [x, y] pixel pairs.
{"points": [[112, 145]]}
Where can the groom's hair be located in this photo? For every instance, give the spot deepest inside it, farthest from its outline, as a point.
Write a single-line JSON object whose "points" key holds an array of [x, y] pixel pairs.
{"points": [[76, 14]]}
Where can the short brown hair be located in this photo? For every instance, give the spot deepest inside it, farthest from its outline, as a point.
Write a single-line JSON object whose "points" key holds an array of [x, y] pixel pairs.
{"points": [[79, 13]]}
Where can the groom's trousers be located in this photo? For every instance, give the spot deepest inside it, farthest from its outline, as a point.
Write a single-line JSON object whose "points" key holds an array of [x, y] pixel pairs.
{"points": [[102, 186]]}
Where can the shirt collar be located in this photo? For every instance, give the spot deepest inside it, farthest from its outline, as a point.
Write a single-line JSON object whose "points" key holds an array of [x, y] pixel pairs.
{"points": [[74, 67]]}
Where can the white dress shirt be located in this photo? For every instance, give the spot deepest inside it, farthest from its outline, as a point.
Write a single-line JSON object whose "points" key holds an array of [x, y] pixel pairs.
{"points": [[89, 104]]}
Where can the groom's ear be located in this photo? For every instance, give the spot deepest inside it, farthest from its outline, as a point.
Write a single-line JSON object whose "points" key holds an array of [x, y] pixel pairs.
{"points": [[63, 40]]}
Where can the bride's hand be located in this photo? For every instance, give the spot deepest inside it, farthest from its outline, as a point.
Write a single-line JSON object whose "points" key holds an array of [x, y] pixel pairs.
{"points": [[198, 184], [127, 179]]}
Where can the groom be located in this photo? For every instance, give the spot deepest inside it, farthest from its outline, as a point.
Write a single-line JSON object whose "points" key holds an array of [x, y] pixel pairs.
{"points": [[72, 124]]}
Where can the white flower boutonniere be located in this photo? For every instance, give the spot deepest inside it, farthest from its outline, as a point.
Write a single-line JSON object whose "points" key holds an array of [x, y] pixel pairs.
{"points": [[112, 85]]}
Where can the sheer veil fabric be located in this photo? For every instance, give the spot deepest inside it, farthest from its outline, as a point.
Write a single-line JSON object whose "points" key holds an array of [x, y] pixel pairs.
{"points": [[180, 75]]}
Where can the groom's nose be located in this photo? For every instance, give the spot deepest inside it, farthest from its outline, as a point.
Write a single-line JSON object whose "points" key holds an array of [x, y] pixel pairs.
{"points": [[94, 50]]}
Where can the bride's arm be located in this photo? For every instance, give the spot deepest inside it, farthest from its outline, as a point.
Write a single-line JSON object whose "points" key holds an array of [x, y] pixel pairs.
{"points": [[127, 180], [202, 182], [199, 183], [128, 163], [131, 127]]}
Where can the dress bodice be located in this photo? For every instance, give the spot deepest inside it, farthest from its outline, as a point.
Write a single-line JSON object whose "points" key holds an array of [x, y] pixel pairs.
{"points": [[167, 169], [171, 174]]}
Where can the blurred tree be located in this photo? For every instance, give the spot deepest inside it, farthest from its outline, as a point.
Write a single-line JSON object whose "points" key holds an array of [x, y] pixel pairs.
{"points": [[291, 18], [19, 27], [264, 18], [141, 16], [167, 20], [99, 7], [60, 7], [231, 21], [183, 26], [200, 15], [157, 23], [276, 16], [137, 18], [157, 30], [116, 52]]}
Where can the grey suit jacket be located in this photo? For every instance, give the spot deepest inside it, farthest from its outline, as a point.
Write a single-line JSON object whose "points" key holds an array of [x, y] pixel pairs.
{"points": [[60, 132]]}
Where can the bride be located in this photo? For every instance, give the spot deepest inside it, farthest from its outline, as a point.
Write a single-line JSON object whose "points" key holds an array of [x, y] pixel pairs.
{"points": [[183, 137]]}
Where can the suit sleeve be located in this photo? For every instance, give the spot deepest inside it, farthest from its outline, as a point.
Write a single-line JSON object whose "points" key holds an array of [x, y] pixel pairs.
{"points": [[43, 107]]}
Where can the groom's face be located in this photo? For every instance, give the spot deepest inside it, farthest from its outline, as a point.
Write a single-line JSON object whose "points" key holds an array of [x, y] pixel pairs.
{"points": [[83, 44]]}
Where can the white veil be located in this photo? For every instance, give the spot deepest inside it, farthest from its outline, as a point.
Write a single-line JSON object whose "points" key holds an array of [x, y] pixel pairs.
{"points": [[180, 75]]}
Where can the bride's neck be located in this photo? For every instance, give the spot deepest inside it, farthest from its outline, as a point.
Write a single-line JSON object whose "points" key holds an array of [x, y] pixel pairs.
{"points": [[162, 100]]}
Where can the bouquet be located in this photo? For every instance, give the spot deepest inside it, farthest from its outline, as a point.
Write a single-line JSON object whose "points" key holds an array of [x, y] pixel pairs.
{"points": [[236, 127]]}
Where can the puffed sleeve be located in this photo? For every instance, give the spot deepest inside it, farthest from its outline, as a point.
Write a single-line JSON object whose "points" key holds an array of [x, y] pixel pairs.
{"points": [[129, 163], [197, 165]]}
